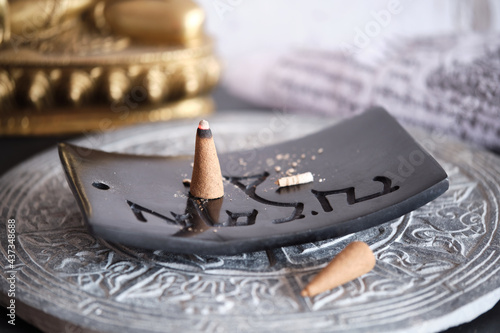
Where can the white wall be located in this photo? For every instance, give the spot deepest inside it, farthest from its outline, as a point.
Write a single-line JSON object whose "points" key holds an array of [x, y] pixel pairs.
{"points": [[244, 27]]}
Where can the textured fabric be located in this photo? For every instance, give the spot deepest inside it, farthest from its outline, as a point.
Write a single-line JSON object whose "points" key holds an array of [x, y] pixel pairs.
{"points": [[449, 84]]}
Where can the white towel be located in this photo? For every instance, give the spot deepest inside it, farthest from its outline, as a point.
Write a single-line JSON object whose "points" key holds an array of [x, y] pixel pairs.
{"points": [[449, 84]]}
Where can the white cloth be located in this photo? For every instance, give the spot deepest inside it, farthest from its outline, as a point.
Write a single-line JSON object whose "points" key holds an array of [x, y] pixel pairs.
{"points": [[449, 83]]}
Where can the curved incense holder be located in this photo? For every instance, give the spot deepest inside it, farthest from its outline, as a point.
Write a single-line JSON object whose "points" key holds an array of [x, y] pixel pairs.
{"points": [[367, 170]]}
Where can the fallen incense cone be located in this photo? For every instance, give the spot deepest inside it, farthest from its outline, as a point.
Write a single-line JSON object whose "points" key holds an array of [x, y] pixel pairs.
{"points": [[302, 178], [206, 180], [355, 260]]}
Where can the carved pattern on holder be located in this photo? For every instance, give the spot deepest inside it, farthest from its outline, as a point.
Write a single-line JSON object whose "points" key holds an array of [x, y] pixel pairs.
{"points": [[201, 206], [350, 193]]}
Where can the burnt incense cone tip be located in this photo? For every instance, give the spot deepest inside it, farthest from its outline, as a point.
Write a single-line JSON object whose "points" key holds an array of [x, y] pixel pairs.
{"points": [[206, 180], [204, 125], [355, 260]]}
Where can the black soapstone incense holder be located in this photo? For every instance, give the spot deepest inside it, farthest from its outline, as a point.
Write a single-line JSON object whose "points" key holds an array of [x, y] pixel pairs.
{"points": [[367, 170]]}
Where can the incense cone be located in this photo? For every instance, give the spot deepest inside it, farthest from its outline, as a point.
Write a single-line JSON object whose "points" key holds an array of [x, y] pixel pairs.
{"points": [[355, 260], [206, 180]]}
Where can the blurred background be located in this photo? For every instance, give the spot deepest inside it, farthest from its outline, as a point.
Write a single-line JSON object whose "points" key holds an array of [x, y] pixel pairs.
{"points": [[242, 27], [94, 65]]}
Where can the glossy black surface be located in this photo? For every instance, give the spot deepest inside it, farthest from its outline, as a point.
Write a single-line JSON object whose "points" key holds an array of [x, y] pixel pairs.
{"points": [[368, 170]]}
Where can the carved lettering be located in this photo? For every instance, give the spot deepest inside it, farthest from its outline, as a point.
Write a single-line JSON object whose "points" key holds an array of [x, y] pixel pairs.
{"points": [[233, 218], [251, 188], [179, 219], [351, 193], [197, 211]]}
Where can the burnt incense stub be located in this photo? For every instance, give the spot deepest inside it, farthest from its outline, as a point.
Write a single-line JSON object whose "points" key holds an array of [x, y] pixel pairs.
{"points": [[367, 170]]}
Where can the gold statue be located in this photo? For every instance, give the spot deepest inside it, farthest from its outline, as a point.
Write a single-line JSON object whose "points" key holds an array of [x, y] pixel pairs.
{"points": [[74, 65]]}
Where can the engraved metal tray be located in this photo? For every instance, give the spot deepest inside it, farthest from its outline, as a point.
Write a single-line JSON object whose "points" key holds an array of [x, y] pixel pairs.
{"points": [[368, 171], [436, 266]]}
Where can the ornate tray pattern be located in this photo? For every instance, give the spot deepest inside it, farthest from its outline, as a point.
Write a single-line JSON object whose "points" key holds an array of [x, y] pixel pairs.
{"points": [[436, 267]]}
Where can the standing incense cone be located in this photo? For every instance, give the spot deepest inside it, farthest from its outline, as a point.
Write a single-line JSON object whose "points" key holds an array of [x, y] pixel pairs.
{"points": [[355, 260], [206, 181]]}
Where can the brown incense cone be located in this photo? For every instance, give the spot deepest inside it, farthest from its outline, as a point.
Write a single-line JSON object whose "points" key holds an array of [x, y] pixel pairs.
{"points": [[206, 180], [355, 260]]}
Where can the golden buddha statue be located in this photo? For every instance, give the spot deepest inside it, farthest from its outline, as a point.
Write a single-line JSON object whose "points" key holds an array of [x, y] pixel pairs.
{"points": [[72, 65]]}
